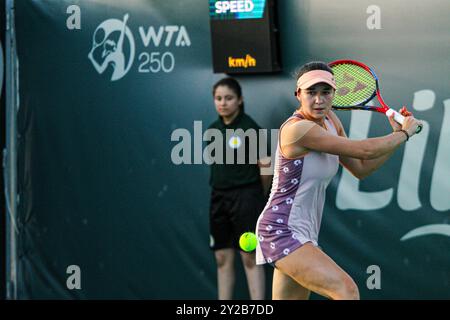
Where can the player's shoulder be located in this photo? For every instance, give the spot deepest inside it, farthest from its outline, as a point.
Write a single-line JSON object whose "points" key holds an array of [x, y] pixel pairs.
{"points": [[298, 126], [333, 117], [336, 122]]}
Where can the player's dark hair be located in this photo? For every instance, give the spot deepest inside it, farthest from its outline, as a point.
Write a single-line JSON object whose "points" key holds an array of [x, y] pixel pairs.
{"points": [[233, 84]]}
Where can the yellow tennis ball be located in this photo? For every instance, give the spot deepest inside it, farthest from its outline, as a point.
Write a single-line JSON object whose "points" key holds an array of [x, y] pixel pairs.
{"points": [[248, 241]]}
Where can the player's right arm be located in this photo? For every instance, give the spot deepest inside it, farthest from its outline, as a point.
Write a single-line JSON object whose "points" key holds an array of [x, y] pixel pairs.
{"points": [[318, 139]]}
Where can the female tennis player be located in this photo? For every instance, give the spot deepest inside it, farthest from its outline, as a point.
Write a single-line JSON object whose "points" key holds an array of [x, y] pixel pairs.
{"points": [[312, 143]]}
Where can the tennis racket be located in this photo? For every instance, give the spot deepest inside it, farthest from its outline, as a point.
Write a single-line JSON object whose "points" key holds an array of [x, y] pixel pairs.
{"points": [[356, 85]]}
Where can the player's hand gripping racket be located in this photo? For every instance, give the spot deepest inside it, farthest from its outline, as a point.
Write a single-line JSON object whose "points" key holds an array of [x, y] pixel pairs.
{"points": [[356, 85]]}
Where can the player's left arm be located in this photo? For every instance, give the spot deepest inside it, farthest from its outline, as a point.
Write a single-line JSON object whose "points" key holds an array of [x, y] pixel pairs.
{"points": [[265, 162], [266, 174], [358, 167]]}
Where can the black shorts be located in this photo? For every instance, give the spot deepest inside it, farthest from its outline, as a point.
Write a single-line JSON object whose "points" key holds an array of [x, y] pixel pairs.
{"points": [[233, 212]]}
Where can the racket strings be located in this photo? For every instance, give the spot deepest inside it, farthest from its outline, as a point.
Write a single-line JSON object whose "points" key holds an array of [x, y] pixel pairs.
{"points": [[354, 85]]}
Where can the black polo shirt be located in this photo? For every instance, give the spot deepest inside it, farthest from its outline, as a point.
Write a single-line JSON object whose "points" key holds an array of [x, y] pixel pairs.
{"points": [[239, 146]]}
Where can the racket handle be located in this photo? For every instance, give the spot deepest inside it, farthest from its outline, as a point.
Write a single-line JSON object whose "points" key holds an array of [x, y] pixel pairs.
{"points": [[399, 118]]}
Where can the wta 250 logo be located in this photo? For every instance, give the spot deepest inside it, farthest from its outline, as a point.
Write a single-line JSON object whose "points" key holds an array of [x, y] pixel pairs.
{"points": [[114, 48], [107, 51]]}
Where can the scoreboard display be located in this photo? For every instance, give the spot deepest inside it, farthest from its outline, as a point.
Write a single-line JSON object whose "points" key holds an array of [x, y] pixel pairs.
{"points": [[244, 36]]}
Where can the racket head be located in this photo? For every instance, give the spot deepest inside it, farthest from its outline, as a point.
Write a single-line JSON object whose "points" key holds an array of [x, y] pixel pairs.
{"points": [[356, 85]]}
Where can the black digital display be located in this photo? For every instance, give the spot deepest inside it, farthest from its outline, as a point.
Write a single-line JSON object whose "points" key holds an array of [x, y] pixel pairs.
{"points": [[244, 36]]}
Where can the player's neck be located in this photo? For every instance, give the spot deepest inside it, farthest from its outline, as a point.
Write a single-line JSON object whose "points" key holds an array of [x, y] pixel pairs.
{"points": [[320, 122]]}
